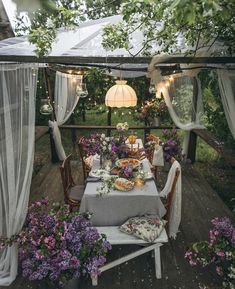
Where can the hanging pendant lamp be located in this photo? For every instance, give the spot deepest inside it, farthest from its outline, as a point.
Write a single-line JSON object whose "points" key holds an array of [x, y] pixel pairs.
{"points": [[120, 95]]}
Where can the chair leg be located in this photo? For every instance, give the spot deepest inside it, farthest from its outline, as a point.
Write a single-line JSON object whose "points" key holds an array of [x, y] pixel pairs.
{"points": [[158, 262]]}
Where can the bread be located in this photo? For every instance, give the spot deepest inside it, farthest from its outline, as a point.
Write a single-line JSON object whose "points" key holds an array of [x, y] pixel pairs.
{"points": [[122, 184]]}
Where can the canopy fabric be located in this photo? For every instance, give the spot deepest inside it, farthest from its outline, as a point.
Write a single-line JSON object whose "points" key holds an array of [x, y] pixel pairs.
{"points": [[83, 41]]}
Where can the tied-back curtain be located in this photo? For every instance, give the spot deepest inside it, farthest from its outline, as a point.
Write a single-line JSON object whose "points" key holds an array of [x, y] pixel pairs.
{"points": [[182, 95], [66, 99], [18, 84], [183, 98], [226, 80]]}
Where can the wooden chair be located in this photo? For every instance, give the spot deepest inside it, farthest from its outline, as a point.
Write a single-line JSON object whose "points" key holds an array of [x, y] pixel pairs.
{"points": [[149, 152], [72, 193], [168, 200], [85, 165]]}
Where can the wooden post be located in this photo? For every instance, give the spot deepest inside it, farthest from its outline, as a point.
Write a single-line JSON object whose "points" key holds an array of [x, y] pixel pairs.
{"points": [[109, 120], [73, 134], [54, 156], [83, 112], [147, 131], [192, 136], [192, 147]]}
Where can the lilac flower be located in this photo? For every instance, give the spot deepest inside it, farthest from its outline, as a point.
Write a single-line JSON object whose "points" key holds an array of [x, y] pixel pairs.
{"points": [[58, 245], [219, 251], [171, 144]]}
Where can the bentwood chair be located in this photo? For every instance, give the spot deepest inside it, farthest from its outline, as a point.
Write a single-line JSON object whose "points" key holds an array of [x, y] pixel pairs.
{"points": [[72, 193], [86, 163], [171, 197]]}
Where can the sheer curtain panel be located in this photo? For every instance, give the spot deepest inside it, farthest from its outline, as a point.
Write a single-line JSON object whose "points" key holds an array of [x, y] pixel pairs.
{"points": [[17, 122], [226, 80], [182, 94], [66, 100]]}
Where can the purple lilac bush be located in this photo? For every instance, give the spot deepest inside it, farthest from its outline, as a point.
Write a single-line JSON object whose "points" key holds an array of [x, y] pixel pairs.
{"points": [[219, 251], [58, 245], [171, 144]]}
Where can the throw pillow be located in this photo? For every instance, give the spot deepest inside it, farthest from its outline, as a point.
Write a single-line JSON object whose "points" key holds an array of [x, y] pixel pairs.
{"points": [[147, 228]]}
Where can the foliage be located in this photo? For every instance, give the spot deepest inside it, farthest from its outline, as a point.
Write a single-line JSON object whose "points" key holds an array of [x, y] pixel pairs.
{"points": [[164, 22], [171, 144], [58, 245], [219, 251], [43, 28], [152, 109], [215, 120]]}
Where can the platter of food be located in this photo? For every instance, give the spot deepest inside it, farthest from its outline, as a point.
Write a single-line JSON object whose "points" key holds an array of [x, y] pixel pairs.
{"points": [[124, 185], [128, 161], [98, 173]]}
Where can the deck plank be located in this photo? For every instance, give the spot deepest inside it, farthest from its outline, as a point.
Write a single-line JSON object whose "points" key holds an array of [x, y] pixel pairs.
{"points": [[200, 203]]}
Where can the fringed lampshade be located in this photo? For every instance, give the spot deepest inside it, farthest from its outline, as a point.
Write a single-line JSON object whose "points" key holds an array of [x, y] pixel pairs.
{"points": [[120, 95]]}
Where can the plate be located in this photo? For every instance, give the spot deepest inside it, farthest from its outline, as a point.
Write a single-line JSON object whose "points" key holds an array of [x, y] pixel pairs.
{"points": [[98, 173], [124, 185], [124, 162]]}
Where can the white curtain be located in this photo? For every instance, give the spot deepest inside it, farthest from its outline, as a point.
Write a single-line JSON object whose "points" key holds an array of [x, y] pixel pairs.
{"points": [[185, 108], [175, 209], [66, 100], [183, 97], [226, 80], [17, 122]]}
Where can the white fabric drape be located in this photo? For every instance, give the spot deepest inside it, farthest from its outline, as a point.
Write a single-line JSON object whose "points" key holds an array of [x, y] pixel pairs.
{"points": [[180, 93], [17, 123], [175, 210], [226, 80], [66, 100]]}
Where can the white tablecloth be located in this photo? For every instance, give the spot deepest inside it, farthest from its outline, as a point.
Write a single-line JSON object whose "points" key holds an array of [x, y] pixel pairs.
{"points": [[116, 207]]}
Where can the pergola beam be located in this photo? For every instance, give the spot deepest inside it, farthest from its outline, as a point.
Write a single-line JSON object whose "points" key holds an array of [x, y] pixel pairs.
{"points": [[78, 60]]}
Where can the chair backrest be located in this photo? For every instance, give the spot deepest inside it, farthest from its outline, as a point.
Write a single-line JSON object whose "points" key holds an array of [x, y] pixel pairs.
{"points": [[149, 153], [66, 175], [170, 195]]}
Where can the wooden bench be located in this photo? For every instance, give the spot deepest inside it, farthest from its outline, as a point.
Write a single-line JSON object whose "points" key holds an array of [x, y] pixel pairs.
{"points": [[116, 237]]}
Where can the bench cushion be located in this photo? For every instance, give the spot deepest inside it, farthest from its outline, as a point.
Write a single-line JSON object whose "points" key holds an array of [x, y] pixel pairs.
{"points": [[116, 237]]}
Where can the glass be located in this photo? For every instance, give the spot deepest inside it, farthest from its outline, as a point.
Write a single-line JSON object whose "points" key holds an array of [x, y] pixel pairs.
{"points": [[46, 107], [81, 90]]}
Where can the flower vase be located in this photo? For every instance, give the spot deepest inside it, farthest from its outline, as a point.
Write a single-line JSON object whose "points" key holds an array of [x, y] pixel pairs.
{"points": [[101, 160], [107, 163]]}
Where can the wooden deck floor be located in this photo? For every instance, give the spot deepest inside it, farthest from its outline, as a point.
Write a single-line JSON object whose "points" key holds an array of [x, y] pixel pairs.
{"points": [[200, 205]]}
